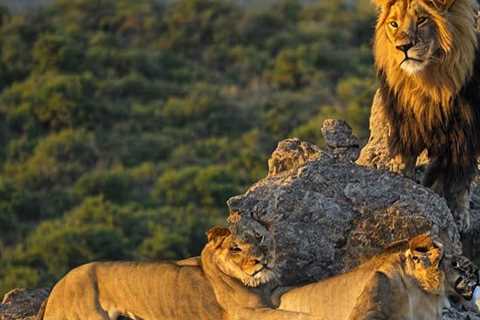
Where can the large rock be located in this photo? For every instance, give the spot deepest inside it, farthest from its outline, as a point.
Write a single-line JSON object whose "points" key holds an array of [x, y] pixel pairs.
{"points": [[375, 155], [317, 213], [22, 304], [453, 314]]}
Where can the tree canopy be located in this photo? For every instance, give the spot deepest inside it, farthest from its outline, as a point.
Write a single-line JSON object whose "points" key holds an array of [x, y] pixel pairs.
{"points": [[126, 125]]}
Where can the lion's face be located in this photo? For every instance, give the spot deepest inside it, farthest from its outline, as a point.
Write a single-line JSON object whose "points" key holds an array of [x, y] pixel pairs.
{"points": [[412, 34], [426, 45], [239, 259]]}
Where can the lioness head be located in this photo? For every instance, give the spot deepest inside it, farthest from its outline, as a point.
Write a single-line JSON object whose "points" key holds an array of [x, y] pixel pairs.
{"points": [[413, 35], [422, 261], [435, 272], [238, 259]]}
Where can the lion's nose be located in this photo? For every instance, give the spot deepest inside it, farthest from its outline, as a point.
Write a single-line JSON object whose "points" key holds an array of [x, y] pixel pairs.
{"points": [[405, 47]]}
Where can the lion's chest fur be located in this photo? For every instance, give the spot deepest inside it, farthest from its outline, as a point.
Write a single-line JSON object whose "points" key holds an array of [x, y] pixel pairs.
{"points": [[425, 119]]}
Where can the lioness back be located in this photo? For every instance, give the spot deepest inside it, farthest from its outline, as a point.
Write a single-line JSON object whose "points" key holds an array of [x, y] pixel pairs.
{"points": [[339, 296], [104, 290]]}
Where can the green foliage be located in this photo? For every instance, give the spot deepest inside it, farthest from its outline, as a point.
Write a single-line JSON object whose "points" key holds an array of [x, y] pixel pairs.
{"points": [[126, 125]]}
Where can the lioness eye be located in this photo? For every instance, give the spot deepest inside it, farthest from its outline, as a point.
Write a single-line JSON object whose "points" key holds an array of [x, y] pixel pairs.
{"points": [[394, 24], [421, 20]]}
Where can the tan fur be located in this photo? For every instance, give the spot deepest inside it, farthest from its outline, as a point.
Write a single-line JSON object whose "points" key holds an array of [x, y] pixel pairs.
{"points": [[405, 285], [427, 59], [442, 81], [241, 302], [211, 287]]}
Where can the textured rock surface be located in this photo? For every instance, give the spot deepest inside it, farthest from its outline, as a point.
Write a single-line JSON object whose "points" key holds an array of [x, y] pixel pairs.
{"points": [[375, 155], [471, 239], [319, 217], [453, 314], [340, 141], [22, 304]]}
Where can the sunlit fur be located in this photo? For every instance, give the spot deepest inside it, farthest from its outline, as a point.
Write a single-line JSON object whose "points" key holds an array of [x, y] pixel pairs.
{"points": [[239, 259], [406, 281], [445, 74], [432, 102], [226, 260], [186, 289]]}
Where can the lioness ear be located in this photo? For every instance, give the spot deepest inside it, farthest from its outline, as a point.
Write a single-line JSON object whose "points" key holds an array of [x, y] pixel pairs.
{"points": [[425, 250], [442, 5], [217, 235]]}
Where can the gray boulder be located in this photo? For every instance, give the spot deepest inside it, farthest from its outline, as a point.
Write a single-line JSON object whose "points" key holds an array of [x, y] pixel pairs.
{"points": [[318, 213], [22, 304], [375, 155]]}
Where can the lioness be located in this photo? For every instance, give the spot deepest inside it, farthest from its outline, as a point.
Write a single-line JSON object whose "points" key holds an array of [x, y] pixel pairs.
{"points": [[406, 285], [427, 59], [211, 287]]}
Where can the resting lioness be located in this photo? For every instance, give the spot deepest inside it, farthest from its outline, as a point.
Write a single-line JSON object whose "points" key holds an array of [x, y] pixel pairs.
{"points": [[406, 285], [210, 288]]}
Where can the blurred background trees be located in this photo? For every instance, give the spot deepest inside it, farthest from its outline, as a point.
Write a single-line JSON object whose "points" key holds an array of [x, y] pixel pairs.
{"points": [[125, 125]]}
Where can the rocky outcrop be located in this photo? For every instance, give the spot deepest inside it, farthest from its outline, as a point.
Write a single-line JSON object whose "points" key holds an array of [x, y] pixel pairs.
{"points": [[22, 304], [375, 155], [318, 213], [453, 314]]}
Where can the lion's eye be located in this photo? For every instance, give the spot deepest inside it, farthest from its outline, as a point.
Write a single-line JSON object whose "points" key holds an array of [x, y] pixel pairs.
{"points": [[421, 20], [235, 249], [394, 24]]}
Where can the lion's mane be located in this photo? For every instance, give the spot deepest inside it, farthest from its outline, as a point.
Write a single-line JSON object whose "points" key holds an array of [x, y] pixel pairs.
{"points": [[439, 109]]}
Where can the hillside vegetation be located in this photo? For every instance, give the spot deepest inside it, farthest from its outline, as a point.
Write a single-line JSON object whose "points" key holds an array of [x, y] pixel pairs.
{"points": [[125, 125]]}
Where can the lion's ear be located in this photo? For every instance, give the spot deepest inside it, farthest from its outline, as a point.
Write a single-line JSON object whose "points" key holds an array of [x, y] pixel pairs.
{"points": [[442, 5], [217, 235], [424, 249]]}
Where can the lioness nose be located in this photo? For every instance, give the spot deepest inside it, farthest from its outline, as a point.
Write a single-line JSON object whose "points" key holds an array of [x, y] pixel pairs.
{"points": [[405, 47]]}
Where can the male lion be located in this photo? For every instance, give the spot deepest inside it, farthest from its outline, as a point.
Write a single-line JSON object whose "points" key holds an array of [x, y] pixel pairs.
{"points": [[410, 284], [426, 55], [212, 287]]}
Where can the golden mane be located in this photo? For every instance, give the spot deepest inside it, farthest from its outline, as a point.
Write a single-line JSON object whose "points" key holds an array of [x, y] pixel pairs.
{"points": [[433, 106], [442, 81]]}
